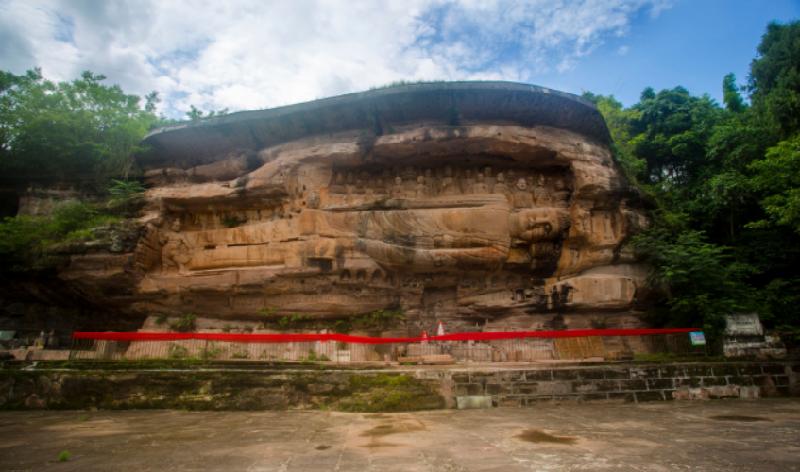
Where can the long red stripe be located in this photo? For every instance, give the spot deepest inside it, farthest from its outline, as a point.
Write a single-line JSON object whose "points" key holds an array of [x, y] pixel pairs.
{"points": [[346, 338]]}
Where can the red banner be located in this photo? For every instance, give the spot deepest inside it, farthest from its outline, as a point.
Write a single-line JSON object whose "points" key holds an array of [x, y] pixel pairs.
{"points": [[346, 338]]}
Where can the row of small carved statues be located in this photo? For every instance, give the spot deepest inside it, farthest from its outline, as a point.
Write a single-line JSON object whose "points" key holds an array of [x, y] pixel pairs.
{"points": [[413, 183]]}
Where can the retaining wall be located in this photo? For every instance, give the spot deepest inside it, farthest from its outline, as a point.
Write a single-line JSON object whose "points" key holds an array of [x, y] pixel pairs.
{"points": [[632, 383], [221, 387]]}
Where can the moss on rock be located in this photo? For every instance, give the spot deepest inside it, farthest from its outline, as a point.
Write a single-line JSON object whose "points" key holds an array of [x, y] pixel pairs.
{"points": [[215, 390]]}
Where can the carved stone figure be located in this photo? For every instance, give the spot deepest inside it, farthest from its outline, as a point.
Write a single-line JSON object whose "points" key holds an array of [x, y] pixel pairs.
{"points": [[448, 185], [540, 192], [176, 254], [379, 188], [398, 190], [468, 182], [338, 184], [480, 186], [421, 190], [522, 196], [350, 185], [429, 181], [500, 186]]}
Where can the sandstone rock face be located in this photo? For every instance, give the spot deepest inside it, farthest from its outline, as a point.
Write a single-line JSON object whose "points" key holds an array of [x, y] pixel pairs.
{"points": [[480, 204]]}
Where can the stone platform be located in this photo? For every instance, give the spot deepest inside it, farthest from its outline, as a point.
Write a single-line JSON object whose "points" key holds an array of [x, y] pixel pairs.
{"points": [[711, 436]]}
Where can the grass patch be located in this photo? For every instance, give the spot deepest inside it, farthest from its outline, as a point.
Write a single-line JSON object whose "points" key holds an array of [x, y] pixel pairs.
{"points": [[388, 393], [64, 456], [376, 321], [660, 357]]}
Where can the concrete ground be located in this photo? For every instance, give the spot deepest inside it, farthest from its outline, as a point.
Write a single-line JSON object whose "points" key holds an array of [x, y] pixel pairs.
{"points": [[762, 435]]}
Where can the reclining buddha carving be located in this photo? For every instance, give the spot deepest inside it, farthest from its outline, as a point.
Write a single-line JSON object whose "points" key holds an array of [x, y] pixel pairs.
{"points": [[477, 222]]}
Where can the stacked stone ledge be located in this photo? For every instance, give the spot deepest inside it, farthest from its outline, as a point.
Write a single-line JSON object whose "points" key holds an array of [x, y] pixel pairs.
{"points": [[630, 383]]}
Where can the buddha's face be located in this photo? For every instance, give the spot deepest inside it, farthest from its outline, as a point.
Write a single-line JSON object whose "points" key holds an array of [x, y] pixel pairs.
{"points": [[521, 184]]}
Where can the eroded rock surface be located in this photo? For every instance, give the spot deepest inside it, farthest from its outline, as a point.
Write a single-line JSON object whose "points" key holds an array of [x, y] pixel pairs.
{"points": [[492, 220]]}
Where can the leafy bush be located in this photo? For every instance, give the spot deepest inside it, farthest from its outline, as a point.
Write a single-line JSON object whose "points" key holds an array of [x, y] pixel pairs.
{"points": [[24, 239], [233, 221], [177, 351], [313, 357], [778, 176], [124, 193], [377, 320], [210, 353], [185, 323], [699, 282]]}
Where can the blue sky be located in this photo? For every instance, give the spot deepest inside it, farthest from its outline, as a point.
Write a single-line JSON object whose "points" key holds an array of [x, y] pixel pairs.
{"points": [[250, 54], [693, 43]]}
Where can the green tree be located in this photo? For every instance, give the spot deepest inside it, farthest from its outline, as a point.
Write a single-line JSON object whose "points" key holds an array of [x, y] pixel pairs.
{"points": [[671, 134], [196, 114], [78, 130], [619, 120], [777, 176], [698, 282], [730, 94], [774, 82], [726, 233]]}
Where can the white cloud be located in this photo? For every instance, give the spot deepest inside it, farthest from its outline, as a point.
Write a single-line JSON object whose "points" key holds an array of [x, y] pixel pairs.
{"points": [[250, 54]]}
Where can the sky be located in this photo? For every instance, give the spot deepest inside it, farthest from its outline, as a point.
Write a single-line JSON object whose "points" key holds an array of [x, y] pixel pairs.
{"points": [[252, 54]]}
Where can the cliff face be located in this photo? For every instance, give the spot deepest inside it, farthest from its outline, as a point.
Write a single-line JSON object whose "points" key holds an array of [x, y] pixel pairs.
{"points": [[474, 203]]}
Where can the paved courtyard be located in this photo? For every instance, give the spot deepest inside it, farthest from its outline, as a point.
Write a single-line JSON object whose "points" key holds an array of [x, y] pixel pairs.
{"points": [[699, 436]]}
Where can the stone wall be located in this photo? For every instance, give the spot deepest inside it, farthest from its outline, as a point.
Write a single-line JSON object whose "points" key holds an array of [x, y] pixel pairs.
{"points": [[264, 387], [217, 390], [637, 383]]}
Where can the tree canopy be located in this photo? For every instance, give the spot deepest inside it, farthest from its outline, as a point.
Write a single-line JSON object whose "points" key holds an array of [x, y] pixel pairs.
{"points": [[78, 130], [726, 181]]}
